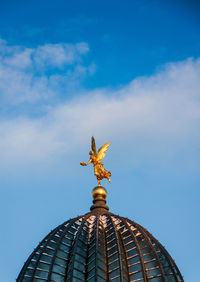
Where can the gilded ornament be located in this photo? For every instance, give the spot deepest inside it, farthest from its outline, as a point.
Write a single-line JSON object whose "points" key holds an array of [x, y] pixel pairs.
{"points": [[95, 158]]}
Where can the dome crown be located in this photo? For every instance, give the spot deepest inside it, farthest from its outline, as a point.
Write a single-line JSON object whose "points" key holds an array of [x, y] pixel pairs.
{"points": [[100, 246]]}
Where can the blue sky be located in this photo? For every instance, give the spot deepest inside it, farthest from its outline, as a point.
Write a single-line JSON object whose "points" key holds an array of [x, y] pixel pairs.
{"points": [[124, 71]]}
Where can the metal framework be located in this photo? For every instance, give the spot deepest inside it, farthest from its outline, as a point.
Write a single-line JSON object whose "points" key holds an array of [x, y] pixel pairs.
{"points": [[100, 246]]}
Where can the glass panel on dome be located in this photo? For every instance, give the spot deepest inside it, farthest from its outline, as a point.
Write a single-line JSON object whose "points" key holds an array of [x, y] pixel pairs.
{"points": [[91, 273], [35, 257], [41, 274], [49, 250], [32, 263], [78, 274], [79, 265], [92, 249], [114, 273], [135, 267], [100, 279], [62, 254], [146, 249], [109, 245], [110, 236], [171, 278], [128, 239], [56, 277], [43, 265], [29, 271], [81, 244], [126, 233], [92, 240], [80, 258], [58, 268], [92, 279], [75, 226], [132, 252], [135, 276], [149, 257], [101, 251], [151, 264], [113, 265], [57, 237], [101, 273], [27, 278], [76, 279], [153, 271], [70, 235], [113, 257], [91, 264], [156, 279], [143, 243], [122, 254], [60, 261], [51, 244], [133, 259], [66, 241], [130, 245], [81, 251], [64, 247], [101, 264], [116, 279], [70, 264], [112, 250], [45, 257], [165, 264], [91, 258]]}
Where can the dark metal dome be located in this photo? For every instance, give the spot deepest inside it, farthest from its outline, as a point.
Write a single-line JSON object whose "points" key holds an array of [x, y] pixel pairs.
{"points": [[100, 246]]}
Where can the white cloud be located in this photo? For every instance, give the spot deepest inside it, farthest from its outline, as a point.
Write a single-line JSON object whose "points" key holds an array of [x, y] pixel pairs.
{"points": [[150, 114], [20, 60], [59, 55], [26, 74]]}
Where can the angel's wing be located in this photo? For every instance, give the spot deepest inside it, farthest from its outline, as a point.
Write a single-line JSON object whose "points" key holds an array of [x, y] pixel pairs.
{"points": [[93, 145], [102, 151]]}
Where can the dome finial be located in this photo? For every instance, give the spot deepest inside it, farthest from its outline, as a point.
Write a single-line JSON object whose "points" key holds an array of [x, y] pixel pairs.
{"points": [[99, 195], [95, 157]]}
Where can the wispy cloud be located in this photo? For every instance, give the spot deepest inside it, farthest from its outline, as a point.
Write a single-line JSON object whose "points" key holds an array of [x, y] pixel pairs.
{"points": [[156, 113], [59, 55], [29, 75]]}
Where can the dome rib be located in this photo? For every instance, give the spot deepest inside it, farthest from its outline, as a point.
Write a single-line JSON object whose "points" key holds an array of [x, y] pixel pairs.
{"points": [[105, 249], [91, 250], [22, 272], [101, 262], [138, 249], [71, 222], [118, 247], [151, 247], [44, 242], [101, 256], [167, 256], [74, 252], [96, 245], [124, 255], [41, 251]]}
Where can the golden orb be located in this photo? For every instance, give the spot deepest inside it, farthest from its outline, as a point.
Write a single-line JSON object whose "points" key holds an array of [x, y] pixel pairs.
{"points": [[99, 192]]}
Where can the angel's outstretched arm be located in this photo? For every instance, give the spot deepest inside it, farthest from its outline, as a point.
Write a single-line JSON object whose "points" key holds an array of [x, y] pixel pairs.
{"points": [[82, 163]]}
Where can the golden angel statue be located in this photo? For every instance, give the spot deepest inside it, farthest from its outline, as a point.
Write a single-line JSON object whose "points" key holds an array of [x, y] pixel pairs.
{"points": [[95, 158]]}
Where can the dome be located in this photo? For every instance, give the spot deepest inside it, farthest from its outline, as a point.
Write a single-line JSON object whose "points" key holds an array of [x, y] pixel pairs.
{"points": [[100, 246]]}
